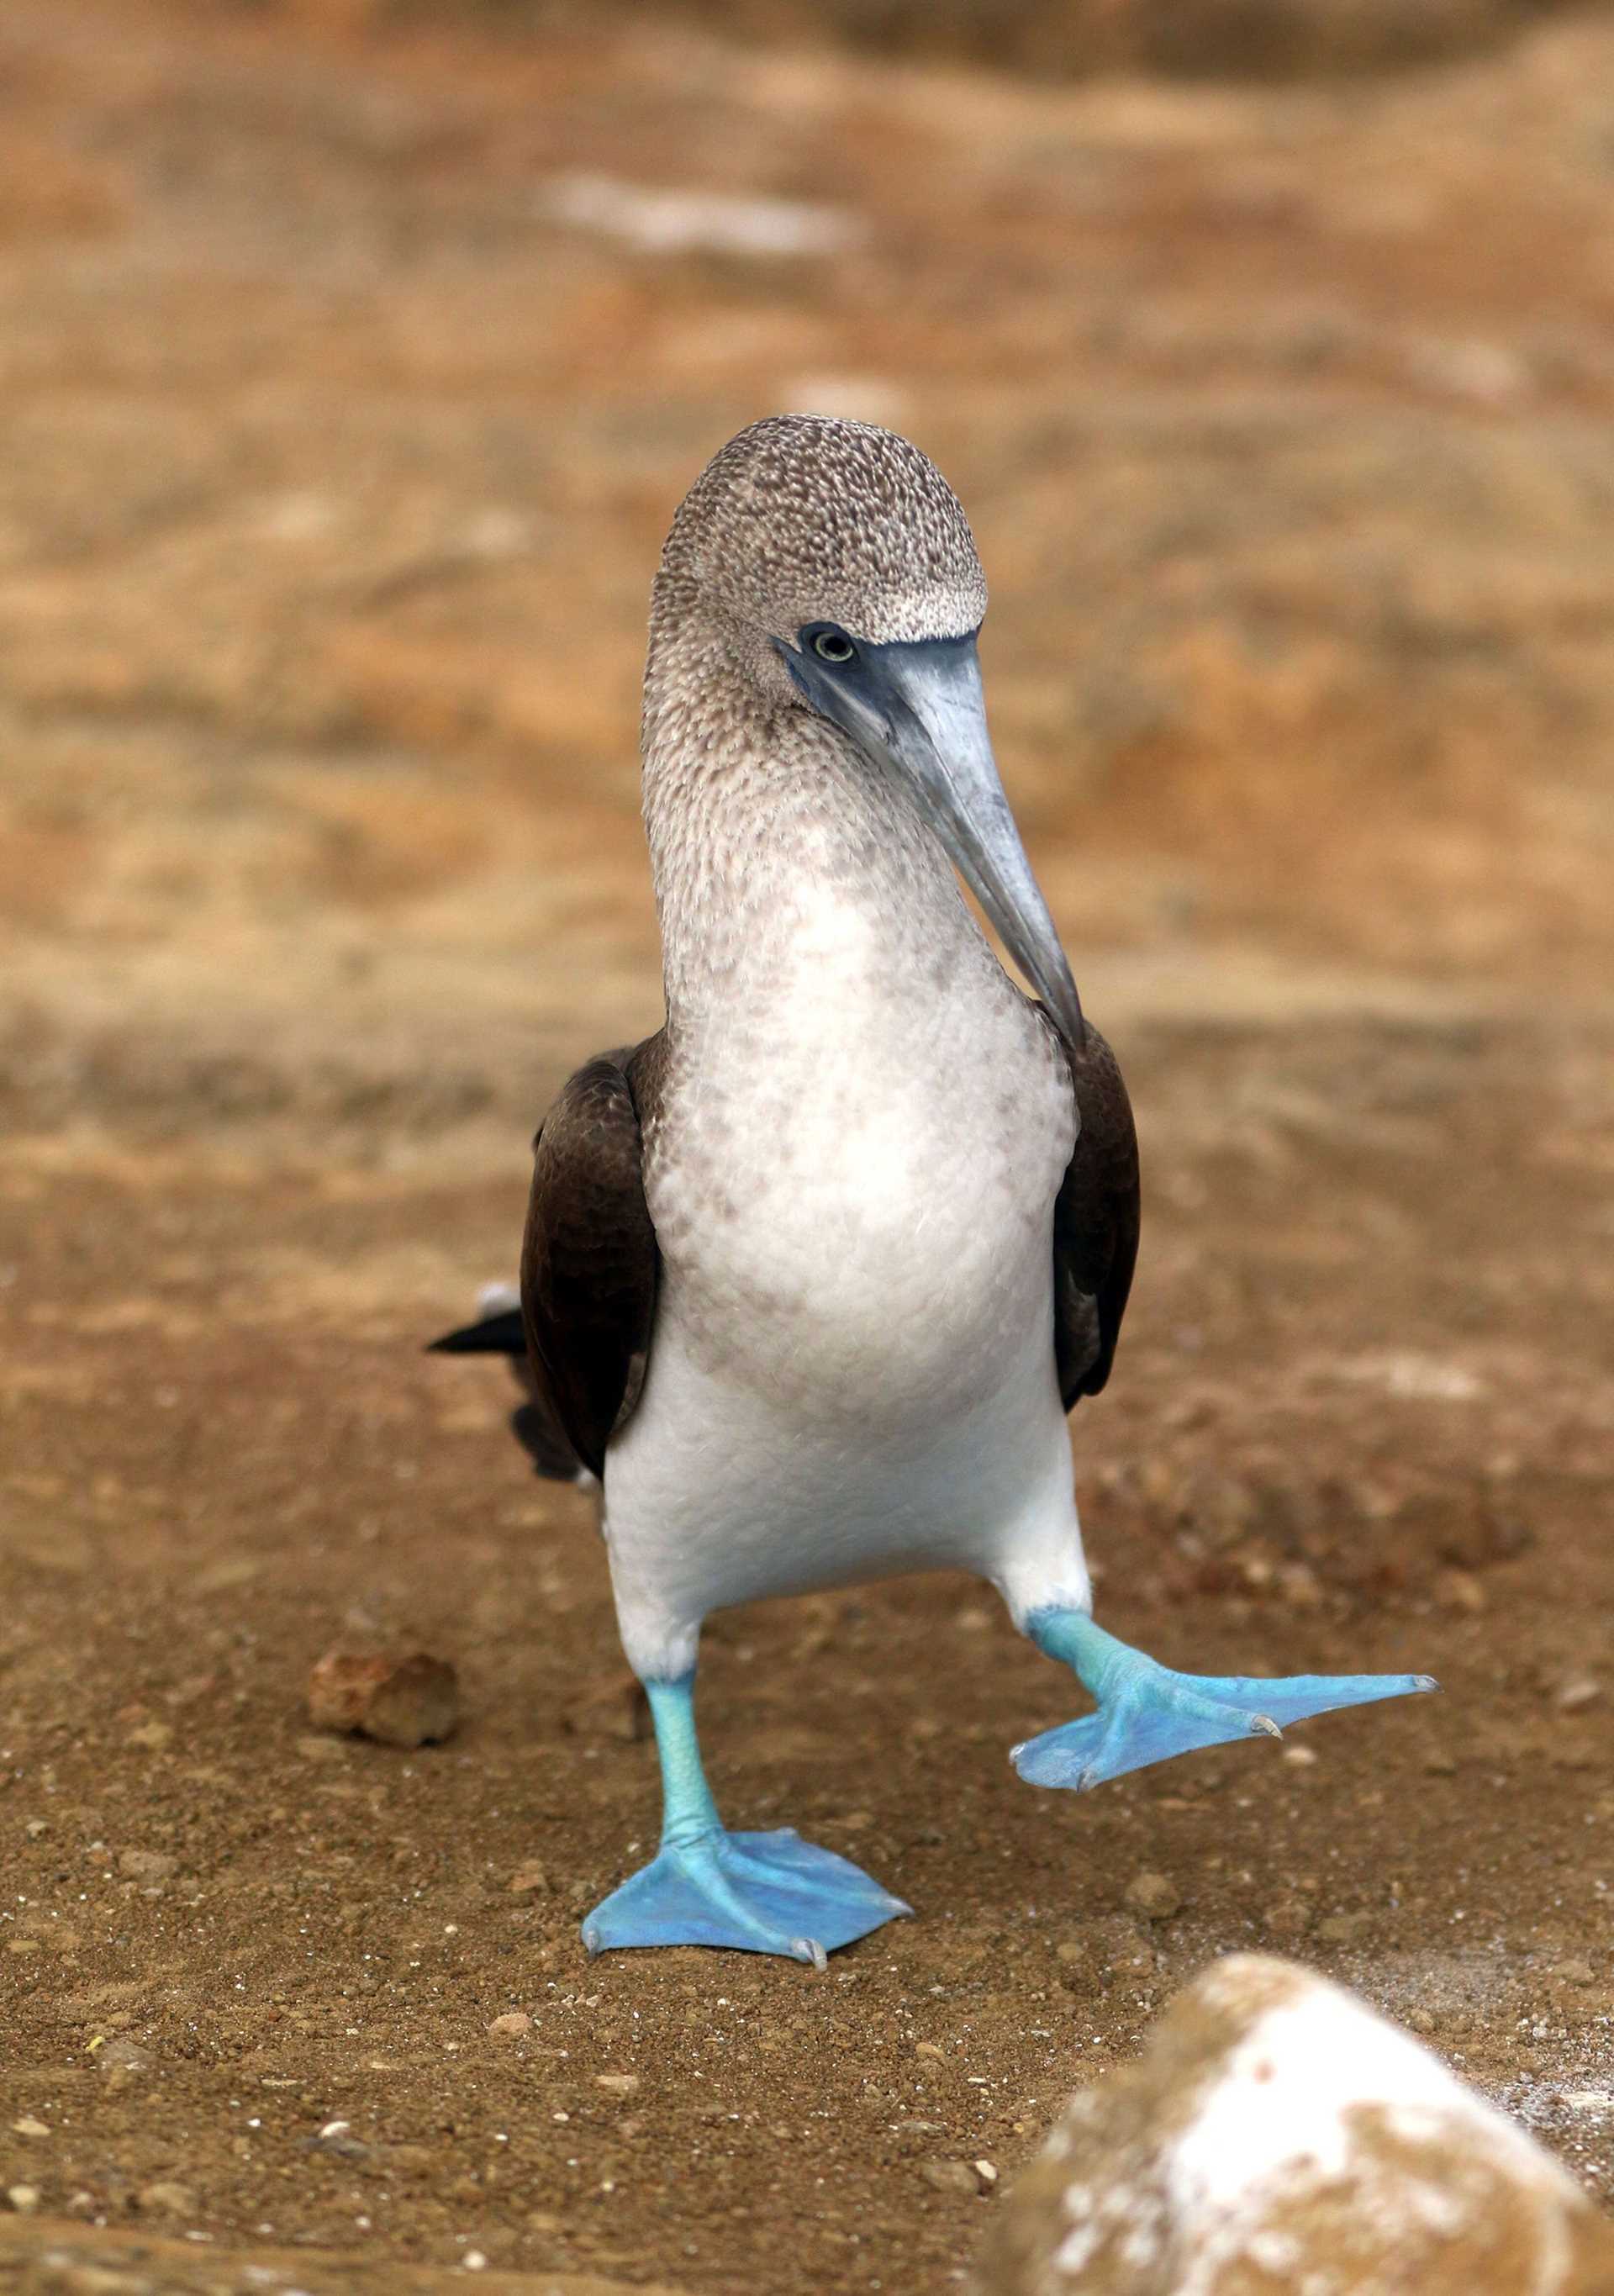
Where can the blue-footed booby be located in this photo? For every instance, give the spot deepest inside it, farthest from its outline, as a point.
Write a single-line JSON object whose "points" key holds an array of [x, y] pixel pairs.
{"points": [[811, 1277]]}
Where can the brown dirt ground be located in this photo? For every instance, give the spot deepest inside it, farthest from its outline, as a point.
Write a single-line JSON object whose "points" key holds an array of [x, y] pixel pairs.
{"points": [[337, 465]]}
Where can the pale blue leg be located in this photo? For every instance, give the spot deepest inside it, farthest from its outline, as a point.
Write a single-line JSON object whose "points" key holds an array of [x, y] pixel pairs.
{"points": [[763, 1892], [1146, 1713]]}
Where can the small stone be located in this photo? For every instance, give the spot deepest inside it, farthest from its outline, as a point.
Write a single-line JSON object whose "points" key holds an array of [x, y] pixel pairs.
{"points": [[147, 1865], [411, 1701], [1154, 1895], [151, 1738], [336, 2138], [22, 2197], [1460, 1590], [951, 2176], [618, 2084], [474, 2260], [1301, 1758], [1299, 1586], [531, 1876], [513, 2021], [164, 2198], [1575, 1971], [617, 1708], [28, 2127], [1439, 1766], [1288, 1917], [122, 2054], [34, 1827], [1343, 1929], [1579, 1692]]}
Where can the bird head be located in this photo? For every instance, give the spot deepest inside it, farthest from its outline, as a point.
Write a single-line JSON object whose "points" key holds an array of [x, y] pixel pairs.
{"points": [[839, 566]]}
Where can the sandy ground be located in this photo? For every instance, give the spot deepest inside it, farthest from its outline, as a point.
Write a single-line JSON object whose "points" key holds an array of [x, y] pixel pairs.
{"points": [[341, 443]]}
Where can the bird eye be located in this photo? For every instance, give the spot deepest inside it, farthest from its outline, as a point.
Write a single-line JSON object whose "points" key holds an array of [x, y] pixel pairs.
{"points": [[834, 645]]}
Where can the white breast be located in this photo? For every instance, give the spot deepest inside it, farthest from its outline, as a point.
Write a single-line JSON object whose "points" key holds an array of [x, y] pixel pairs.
{"points": [[853, 1177]]}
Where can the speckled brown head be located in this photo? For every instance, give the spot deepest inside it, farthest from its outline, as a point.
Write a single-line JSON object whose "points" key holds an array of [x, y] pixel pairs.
{"points": [[826, 567], [803, 519]]}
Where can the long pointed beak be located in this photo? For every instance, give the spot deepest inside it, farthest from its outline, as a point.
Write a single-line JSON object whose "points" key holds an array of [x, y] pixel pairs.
{"points": [[919, 712]]}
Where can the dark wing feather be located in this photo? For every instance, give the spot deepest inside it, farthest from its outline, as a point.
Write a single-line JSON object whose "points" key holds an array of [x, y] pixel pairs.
{"points": [[588, 1258], [1095, 1224], [544, 1440]]}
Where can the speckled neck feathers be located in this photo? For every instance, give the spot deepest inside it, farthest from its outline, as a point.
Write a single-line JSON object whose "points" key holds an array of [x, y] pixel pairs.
{"points": [[777, 850]]}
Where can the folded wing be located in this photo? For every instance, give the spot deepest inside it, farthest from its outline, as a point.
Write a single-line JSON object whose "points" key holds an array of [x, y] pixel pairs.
{"points": [[577, 1343], [588, 1257], [1095, 1224]]}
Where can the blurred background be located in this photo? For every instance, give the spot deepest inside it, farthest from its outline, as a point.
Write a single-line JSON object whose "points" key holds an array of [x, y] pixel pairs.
{"points": [[354, 355]]}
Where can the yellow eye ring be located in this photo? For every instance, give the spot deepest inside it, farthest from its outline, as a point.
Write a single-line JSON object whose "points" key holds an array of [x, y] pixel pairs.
{"points": [[834, 645]]}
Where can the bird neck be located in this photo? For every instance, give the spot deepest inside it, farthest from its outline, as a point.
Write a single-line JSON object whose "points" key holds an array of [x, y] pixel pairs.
{"points": [[788, 871]]}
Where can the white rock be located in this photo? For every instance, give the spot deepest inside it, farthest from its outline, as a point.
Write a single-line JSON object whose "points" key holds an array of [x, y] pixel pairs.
{"points": [[1279, 2135], [675, 221]]}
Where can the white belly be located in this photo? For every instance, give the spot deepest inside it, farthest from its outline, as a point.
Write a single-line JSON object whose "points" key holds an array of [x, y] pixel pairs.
{"points": [[713, 1497], [852, 1369]]}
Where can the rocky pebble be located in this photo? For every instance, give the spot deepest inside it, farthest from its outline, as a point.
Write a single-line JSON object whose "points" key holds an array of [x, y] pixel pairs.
{"points": [[957, 2177], [1277, 2134], [1154, 1895], [336, 2139], [408, 1700], [167, 2199], [1577, 1692]]}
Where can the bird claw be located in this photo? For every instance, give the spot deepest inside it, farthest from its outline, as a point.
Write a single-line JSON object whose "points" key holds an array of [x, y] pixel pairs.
{"points": [[760, 1893], [1147, 1712]]}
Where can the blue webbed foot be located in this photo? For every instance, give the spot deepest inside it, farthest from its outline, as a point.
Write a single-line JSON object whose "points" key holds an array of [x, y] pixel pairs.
{"points": [[1146, 1713], [763, 1892]]}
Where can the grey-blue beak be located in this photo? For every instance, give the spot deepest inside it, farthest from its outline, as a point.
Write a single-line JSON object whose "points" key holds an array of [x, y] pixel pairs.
{"points": [[919, 712]]}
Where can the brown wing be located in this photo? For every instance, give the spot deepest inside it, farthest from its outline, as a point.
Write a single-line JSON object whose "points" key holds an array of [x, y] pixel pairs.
{"points": [[1095, 1224], [588, 1257]]}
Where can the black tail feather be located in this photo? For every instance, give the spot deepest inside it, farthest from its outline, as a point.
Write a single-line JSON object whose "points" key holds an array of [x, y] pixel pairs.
{"points": [[533, 1424], [499, 1334]]}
